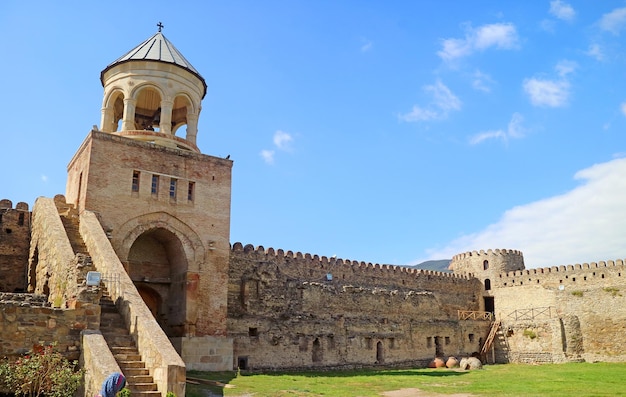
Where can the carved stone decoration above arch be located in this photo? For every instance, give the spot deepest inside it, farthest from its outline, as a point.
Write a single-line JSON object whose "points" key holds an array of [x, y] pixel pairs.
{"points": [[127, 233]]}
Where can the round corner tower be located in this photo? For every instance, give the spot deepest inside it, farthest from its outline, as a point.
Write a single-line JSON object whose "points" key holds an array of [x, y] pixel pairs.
{"points": [[486, 266], [492, 262]]}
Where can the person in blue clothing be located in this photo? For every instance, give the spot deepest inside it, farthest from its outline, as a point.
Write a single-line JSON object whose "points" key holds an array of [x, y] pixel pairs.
{"points": [[112, 385]]}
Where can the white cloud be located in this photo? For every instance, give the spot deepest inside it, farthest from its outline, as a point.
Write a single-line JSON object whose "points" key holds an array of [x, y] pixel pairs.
{"points": [[565, 67], [586, 224], [443, 101], [614, 21], [547, 92], [515, 129], [562, 10], [623, 108], [497, 35], [268, 156], [482, 82], [282, 140], [366, 46], [551, 92], [596, 52], [485, 135], [44, 178]]}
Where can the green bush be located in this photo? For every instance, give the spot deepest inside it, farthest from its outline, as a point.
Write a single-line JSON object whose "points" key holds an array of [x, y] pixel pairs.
{"points": [[125, 392], [530, 334], [612, 290], [44, 372]]}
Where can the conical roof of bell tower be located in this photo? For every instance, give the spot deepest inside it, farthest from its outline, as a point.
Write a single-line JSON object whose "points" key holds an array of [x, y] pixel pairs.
{"points": [[156, 48]]}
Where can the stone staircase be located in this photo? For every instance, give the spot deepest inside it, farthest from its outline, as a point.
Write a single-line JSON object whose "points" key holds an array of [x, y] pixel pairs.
{"points": [[71, 228], [122, 345]]}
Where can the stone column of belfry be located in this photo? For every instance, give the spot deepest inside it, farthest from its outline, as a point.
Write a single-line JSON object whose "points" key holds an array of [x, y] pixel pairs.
{"points": [[129, 114], [165, 125], [107, 124], [192, 127]]}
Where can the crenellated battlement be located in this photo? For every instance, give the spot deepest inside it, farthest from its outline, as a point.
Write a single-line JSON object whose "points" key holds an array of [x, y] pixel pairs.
{"points": [[558, 275], [6, 204], [14, 245], [488, 253], [491, 261], [327, 264]]}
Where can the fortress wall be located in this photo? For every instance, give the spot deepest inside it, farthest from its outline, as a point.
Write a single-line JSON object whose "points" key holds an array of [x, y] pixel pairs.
{"points": [[601, 314], [284, 312], [14, 245], [28, 320], [51, 253], [586, 274], [321, 325], [587, 301], [245, 261]]}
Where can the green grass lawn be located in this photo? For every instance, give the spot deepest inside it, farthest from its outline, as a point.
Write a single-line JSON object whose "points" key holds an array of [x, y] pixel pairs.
{"points": [[574, 379]]}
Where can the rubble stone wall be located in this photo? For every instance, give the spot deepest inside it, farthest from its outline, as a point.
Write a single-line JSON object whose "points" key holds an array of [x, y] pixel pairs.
{"points": [[28, 320], [301, 311], [14, 245]]}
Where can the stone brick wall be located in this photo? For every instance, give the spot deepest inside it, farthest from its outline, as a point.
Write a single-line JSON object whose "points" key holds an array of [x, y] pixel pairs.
{"points": [[29, 320], [285, 311], [100, 179], [14, 245]]}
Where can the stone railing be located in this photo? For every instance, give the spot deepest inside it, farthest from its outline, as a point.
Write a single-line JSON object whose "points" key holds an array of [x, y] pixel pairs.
{"points": [[166, 366]]}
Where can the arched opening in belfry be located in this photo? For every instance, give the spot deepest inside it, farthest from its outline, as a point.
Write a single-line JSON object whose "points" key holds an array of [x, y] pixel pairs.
{"points": [[317, 351], [487, 284], [182, 106], [117, 110], [157, 265], [148, 110], [485, 264], [380, 353]]}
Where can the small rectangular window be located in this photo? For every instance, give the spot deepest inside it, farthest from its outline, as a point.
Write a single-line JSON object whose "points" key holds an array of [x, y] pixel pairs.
{"points": [[190, 191], [135, 187], [155, 185], [173, 183]]}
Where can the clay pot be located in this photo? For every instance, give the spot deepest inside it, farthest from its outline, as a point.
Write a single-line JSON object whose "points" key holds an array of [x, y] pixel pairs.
{"points": [[452, 362], [437, 363]]}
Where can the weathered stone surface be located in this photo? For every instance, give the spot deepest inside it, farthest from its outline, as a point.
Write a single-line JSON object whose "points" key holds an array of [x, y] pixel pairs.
{"points": [[468, 363]]}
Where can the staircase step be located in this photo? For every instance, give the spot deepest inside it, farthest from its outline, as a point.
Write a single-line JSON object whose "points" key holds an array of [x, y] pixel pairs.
{"points": [[131, 364], [143, 387], [135, 379], [128, 356], [146, 393], [130, 372], [122, 345]]}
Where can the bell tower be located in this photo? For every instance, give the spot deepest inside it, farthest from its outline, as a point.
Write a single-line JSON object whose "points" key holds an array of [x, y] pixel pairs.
{"points": [[164, 205]]}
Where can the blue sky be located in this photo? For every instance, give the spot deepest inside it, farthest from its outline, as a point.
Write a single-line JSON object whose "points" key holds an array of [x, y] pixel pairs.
{"points": [[384, 132]]}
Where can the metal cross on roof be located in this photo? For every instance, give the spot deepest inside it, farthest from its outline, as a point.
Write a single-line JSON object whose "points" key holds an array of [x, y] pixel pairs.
{"points": [[160, 26]]}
